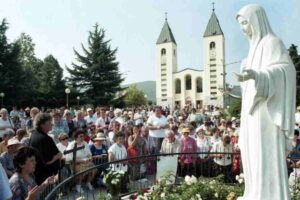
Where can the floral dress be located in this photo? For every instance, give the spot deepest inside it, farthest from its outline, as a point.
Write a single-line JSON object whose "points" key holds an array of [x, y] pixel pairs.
{"points": [[20, 187]]}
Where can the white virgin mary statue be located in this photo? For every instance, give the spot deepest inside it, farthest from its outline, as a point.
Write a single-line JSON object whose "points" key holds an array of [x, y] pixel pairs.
{"points": [[268, 80]]}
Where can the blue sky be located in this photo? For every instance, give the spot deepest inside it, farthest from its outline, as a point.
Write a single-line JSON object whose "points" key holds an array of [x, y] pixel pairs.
{"points": [[58, 26]]}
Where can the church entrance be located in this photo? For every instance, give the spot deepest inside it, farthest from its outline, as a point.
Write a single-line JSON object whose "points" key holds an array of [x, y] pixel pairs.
{"points": [[177, 104], [199, 104], [188, 101]]}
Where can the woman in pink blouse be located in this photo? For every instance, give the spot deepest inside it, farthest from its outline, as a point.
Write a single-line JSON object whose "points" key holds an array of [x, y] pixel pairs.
{"points": [[188, 145]]}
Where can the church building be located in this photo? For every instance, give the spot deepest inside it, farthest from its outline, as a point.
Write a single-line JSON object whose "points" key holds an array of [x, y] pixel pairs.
{"points": [[196, 87]]}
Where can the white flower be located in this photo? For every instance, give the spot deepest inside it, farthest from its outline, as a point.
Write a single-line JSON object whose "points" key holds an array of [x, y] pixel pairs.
{"points": [[187, 178], [198, 196], [212, 182], [242, 175], [216, 195], [237, 177], [121, 172], [241, 181], [162, 195], [114, 181], [80, 198], [193, 179]]}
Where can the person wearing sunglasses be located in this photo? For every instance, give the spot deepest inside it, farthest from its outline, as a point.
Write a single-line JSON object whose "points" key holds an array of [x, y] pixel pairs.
{"points": [[83, 160]]}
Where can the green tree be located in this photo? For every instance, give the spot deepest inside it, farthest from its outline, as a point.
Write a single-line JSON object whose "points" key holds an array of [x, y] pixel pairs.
{"points": [[31, 66], [52, 84], [96, 74], [11, 72], [134, 97], [294, 54], [296, 60], [235, 109]]}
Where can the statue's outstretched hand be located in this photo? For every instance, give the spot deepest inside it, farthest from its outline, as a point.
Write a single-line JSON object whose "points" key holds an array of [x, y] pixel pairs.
{"points": [[245, 76]]}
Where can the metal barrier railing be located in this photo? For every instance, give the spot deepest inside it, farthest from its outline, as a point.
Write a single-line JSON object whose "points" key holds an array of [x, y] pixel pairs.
{"points": [[143, 172]]}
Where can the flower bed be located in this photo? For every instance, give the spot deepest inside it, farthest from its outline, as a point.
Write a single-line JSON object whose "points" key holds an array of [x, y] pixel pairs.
{"points": [[194, 189]]}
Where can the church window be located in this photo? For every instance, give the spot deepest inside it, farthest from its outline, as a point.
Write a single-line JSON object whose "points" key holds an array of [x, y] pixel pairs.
{"points": [[213, 87], [177, 86], [213, 70], [163, 74], [213, 65], [174, 52], [212, 82], [213, 76], [212, 45], [213, 93], [188, 82], [199, 84], [164, 95], [213, 98], [163, 57]]}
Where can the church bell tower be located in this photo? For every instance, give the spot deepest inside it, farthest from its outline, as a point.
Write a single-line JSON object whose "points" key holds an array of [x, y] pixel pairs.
{"points": [[214, 62], [166, 58]]}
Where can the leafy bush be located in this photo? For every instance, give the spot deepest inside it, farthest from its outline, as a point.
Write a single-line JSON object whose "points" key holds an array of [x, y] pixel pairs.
{"points": [[194, 189]]}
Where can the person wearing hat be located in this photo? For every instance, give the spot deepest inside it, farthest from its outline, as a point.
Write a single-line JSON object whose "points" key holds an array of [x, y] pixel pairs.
{"points": [[5, 137], [99, 149], [6, 157], [188, 145]]}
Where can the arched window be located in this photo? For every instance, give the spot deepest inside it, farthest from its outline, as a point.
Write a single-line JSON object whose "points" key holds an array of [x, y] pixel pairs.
{"points": [[177, 86], [199, 85], [212, 45], [188, 82], [163, 53]]}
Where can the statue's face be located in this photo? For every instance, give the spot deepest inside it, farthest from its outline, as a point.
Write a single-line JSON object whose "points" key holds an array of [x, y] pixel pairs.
{"points": [[245, 26]]}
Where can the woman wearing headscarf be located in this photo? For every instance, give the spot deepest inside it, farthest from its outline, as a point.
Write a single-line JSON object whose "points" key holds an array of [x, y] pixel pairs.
{"points": [[267, 119]]}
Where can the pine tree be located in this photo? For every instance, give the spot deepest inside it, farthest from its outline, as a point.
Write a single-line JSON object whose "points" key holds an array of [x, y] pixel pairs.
{"points": [[29, 64], [294, 54], [11, 72], [51, 83], [296, 60], [96, 74]]}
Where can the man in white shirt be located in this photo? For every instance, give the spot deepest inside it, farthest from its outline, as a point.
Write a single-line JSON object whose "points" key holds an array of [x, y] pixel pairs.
{"points": [[223, 160], [170, 144], [138, 117], [158, 124], [90, 118]]}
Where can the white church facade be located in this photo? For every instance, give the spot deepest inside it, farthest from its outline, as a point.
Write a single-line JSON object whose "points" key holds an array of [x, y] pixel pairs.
{"points": [[195, 87]]}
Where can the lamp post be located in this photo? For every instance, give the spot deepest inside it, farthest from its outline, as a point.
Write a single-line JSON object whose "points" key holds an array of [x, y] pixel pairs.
{"points": [[78, 98], [67, 91], [2, 95]]}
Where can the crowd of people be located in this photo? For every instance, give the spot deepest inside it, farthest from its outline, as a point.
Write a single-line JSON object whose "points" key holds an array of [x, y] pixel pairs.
{"points": [[34, 143]]}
